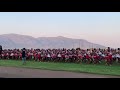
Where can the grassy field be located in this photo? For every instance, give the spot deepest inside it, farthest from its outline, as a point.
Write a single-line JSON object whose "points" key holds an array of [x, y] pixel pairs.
{"points": [[88, 68]]}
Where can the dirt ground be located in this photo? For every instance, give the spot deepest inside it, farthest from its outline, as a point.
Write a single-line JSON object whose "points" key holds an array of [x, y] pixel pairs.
{"points": [[13, 72]]}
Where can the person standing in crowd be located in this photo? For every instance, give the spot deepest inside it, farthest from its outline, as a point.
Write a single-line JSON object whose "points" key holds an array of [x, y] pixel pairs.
{"points": [[24, 56]]}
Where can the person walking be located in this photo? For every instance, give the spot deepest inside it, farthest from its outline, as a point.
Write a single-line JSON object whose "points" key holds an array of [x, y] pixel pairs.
{"points": [[0, 51], [24, 56]]}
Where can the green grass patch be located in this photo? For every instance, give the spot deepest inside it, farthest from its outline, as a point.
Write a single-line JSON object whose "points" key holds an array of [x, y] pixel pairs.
{"points": [[88, 68]]}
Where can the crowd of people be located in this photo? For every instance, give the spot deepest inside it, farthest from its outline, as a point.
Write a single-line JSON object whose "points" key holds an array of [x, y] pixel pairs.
{"points": [[77, 55]]}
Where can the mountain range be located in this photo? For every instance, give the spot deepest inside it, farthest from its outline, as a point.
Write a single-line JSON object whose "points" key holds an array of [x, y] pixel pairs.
{"points": [[11, 41]]}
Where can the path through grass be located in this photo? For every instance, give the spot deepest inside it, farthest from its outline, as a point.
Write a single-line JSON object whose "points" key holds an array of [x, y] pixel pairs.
{"points": [[88, 68]]}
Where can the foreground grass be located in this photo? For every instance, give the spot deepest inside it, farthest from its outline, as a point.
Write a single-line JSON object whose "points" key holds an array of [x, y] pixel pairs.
{"points": [[88, 68]]}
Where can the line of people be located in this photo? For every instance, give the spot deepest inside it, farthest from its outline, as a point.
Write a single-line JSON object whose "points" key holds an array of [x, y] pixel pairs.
{"points": [[65, 55]]}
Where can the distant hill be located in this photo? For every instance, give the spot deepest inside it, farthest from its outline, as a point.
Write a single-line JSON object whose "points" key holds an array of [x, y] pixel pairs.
{"points": [[19, 41]]}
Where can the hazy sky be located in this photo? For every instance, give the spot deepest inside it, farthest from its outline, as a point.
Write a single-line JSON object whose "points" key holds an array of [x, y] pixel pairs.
{"points": [[97, 27]]}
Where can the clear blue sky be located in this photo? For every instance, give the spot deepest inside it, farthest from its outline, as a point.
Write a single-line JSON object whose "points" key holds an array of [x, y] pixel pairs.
{"points": [[97, 27]]}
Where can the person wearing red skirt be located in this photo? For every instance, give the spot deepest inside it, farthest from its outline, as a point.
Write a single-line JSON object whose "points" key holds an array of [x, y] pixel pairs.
{"points": [[108, 59], [39, 57]]}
